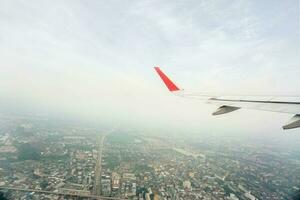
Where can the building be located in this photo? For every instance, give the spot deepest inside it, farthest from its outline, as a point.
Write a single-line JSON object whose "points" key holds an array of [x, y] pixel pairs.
{"points": [[105, 186], [115, 179], [187, 185]]}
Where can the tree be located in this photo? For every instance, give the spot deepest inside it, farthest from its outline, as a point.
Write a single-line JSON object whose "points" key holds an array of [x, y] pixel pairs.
{"points": [[28, 152], [2, 196]]}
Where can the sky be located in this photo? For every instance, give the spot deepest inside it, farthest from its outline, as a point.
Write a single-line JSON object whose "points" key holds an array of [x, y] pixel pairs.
{"points": [[93, 60]]}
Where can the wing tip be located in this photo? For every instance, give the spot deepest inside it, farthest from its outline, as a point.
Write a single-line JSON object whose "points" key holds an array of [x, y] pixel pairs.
{"points": [[157, 69], [170, 85]]}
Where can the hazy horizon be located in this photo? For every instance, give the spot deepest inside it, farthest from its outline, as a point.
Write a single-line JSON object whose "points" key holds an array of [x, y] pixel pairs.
{"points": [[94, 60]]}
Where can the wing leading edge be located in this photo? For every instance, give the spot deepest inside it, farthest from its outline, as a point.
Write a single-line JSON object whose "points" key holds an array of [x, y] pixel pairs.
{"points": [[283, 104]]}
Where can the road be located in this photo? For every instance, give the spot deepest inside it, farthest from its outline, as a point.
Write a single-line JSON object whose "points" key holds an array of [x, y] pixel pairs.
{"points": [[97, 180], [98, 167], [60, 193]]}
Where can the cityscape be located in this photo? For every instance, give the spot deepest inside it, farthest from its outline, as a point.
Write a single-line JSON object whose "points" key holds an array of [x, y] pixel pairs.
{"points": [[150, 100], [47, 159]]}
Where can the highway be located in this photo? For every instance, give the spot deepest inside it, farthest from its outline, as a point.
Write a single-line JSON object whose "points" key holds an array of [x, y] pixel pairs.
{"points": [[98, 167], [60, 193], [97, 180]]}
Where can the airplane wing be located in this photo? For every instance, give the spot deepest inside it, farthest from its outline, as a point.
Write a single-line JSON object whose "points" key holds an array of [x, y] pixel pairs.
{"points": [[283, 104]]}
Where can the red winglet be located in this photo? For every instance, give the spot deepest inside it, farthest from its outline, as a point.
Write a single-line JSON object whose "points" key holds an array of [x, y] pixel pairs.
{"points": [[170, 85]]}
